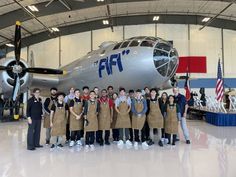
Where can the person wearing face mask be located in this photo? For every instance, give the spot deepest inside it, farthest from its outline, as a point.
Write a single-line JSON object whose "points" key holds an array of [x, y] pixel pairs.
{"points": [[104, 117], [154, 117], [47, 108], [139, 109], [34, 116]]}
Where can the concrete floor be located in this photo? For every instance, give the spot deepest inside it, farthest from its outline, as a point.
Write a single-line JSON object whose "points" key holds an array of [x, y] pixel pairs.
{"points": [[211, 154]]}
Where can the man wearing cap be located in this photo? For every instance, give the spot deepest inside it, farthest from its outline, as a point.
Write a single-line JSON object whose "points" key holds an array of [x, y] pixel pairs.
{"points": [[34, 115], [47, 108]]}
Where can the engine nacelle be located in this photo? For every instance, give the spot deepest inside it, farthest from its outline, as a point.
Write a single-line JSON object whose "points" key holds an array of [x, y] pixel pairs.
{"points": [[7, 77]]}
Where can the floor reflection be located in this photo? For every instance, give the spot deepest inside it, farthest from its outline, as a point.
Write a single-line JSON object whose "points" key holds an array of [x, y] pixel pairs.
{"points": [[211, 154]]}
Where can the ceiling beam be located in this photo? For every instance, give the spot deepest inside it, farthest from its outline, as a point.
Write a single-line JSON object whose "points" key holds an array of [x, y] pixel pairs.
{"points": [[128, 20], [9, 19]]}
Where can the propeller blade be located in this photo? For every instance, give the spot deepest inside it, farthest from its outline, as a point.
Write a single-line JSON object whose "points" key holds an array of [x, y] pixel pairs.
{"points": [[44, 71], [17, 41], [5, 68], [16, 87]]}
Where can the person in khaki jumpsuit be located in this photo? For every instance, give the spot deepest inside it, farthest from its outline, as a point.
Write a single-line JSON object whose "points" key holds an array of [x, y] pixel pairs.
{"points": [[155, 118], [139, 109], [76, 119], [47, 106], [123, 123], [58, 120], [91, 109], [171, 120], [104, 117]]}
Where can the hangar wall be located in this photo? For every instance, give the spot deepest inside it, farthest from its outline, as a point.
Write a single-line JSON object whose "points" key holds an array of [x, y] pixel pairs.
{"points": [[188, 40]]}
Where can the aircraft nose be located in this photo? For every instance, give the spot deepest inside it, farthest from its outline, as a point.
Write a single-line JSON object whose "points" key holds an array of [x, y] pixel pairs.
{"points": [[165, 59]]}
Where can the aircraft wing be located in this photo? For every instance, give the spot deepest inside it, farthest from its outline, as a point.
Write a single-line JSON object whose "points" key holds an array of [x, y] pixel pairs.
{"points": [[44, 83]]}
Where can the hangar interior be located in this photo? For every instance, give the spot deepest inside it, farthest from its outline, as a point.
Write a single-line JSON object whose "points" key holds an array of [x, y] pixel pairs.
{"points": [[61, 31]]}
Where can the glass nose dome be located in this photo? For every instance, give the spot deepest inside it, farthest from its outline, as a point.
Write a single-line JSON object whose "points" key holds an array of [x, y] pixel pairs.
{"points": [[165, 59]]}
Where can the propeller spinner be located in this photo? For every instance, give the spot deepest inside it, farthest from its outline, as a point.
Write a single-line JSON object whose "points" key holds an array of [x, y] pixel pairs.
{"points": [[17, 69]]}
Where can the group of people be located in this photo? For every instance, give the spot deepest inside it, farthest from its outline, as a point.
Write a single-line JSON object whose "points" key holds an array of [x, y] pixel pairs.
{"points": [[93, 114]]}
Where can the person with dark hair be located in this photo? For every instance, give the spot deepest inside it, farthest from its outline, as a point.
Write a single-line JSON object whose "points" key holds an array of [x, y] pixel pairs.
{"points": [[96, 90], [154, 117], [131, 133], [110, 91], [104, 117], [123, 123], [76, 119], [58, 120], [147, 92], [91, 110], [171, 120], [47, 109], [115, 131], [67, 100], [34, 116], [85, 95], [139, 109]]}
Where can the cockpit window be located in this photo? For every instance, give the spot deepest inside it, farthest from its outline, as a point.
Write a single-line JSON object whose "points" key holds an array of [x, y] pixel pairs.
{"points": [[117, 46], [159, 53], [147, 44], [162, 70], [151, 38], [125, 44], [134, 43], [163, 46]]}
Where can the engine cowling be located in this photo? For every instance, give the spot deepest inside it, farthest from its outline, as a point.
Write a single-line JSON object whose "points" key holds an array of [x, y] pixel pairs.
{"points": [[7, 77]]}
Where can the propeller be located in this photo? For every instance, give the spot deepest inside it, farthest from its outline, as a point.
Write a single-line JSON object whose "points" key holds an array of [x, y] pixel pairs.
{"points": [[17, 68]]}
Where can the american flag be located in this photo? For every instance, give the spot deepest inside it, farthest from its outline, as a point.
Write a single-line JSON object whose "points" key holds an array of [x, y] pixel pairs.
{"points": [[219, 84], [187, 88]]}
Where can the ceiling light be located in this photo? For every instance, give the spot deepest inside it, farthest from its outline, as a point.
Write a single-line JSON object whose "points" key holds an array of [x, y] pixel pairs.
{"points": [[105, 22], [156, 18], [206, 19], [33, 8], [100, 0], [9, 45], [55, 29]]}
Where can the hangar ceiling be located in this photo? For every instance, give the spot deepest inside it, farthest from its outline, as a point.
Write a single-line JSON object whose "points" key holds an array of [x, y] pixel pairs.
{"points": [[71, 16]]}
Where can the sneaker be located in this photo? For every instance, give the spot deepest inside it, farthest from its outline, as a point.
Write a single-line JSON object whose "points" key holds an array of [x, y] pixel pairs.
{"points": [[92, 147], [128, 142], [187, 141], [166, 141], [101, 143], [120, 143], [79, 143], [72, 143], [86, 148], [67, 142], [135, 144], [53, 146], [60, 145], [47, 142], [107, 143], [144, 144], [150, 142], [160, 143]]}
